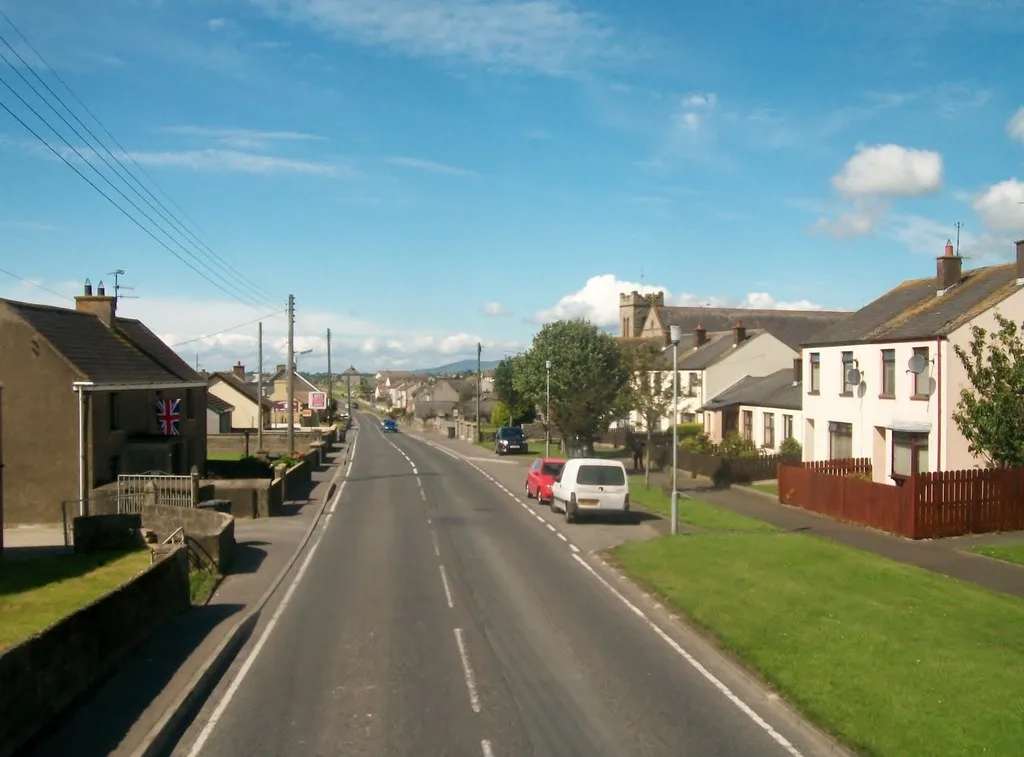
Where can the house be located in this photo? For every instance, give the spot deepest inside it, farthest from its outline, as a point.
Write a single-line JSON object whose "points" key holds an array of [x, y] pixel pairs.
{"points": [[218, 415], [444, 396], [765, 410], [232, 389], [884, 383], [89, 396], [279, 395], [385, 380]]}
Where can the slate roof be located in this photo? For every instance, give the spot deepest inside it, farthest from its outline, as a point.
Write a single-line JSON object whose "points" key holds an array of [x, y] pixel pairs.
{"points": [[217, 405], [129, 353], [912, 310], [242, 387], [718, 346], [792, 327], [774, 390]]}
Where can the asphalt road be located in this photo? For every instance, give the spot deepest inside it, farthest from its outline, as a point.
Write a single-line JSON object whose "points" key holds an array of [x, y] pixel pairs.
{"points": [[438, 616]]}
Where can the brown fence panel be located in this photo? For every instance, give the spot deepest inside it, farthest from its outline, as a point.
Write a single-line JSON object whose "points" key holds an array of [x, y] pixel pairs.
{"points": [[952, 503]]}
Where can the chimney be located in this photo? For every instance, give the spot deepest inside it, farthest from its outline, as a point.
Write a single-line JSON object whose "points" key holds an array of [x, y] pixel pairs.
{"points": [[700, 335], [1020, 259], [238, 370], [798, 370], [948, 269], [280, 367], [99, 304], [739, 333]]}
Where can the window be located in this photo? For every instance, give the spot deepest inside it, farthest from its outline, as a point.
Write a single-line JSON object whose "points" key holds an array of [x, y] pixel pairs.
{"points": [[114, 402], [815, 382], [847, 366], [909, 453], [888, 373], [748, 425], [689, 418], [601, 475], [769, 430], [840, 441], [921, 381], [787, 427]]}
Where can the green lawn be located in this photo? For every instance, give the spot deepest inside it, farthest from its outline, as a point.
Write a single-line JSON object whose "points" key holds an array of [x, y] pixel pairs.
{"points": [[201, 583], [1008, 552], [893, 660], [35, 593], [692, 512], [224, 455], [768, 487]]}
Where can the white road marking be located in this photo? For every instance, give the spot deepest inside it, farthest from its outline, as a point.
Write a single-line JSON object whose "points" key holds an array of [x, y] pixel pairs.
{"points": [[574, 548], [551, 528], [562, 536], [467, 671], [414, 471], [232, 689], [777, 737], [447, 590], [485, 745], [437, 549]]}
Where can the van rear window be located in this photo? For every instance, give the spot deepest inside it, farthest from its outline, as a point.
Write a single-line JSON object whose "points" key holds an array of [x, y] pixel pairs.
{"points": [[601, 475]]}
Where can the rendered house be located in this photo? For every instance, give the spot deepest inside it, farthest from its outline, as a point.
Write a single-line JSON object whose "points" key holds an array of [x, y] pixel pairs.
{"points": [[884, 383], [218, 415], [233, 390], [765, 410]]}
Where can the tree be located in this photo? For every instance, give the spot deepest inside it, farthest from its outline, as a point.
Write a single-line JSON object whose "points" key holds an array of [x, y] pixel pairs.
{"points": [[646, 392], [510, 397], [990, 413], [588, 376]]}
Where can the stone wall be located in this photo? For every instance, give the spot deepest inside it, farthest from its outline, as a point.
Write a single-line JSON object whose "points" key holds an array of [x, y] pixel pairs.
{"points": [[210, 535], [274, 442], [45, 674], [250, 497]]}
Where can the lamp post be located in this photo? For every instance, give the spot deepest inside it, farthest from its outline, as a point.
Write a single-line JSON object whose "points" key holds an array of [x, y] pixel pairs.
{"points": [[547, 410], [675, 335]]}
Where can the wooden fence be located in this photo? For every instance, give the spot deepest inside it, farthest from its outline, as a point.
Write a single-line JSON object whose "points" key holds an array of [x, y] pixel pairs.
{"points": [[932, 505]]}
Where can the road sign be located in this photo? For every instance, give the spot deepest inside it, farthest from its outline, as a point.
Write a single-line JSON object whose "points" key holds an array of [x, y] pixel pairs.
{"points": [[318, 400], [307, 413]]}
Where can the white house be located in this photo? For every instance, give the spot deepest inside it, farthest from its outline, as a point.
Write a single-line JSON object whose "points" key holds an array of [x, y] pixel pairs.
{"points": [[884, 383], [218, 415], [765, 410], [241, 396]]}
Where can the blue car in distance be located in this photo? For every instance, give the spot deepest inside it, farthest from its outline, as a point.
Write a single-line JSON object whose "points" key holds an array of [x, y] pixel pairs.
{"points": [[389, 425]]}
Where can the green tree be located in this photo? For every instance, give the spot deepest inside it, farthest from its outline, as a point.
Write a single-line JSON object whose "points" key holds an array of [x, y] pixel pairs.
{"points": [[515, 404], [588, 377], [648, 391], [990, 413]]}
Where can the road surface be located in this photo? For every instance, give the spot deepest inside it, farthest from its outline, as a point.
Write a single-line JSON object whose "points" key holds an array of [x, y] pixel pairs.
{"points": [[436, 615]]}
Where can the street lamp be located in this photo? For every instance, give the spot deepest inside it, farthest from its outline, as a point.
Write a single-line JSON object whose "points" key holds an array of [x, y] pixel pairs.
{"points": [[547, 411], [674, 337]]}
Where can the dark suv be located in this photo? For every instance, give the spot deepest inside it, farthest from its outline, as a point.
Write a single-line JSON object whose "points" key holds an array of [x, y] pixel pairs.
{"points": [[510, 440]]}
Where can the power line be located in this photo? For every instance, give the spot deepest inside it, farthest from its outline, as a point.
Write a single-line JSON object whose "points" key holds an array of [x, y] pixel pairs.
{"points": [[177, 225], [33, 283], [230, 328]]}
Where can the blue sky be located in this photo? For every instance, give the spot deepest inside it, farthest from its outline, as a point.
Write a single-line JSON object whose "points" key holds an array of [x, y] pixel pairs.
{"points": [[423, 174]]}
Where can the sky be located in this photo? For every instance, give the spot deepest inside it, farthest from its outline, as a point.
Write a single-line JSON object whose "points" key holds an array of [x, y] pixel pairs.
{"points": [[424, 175]]}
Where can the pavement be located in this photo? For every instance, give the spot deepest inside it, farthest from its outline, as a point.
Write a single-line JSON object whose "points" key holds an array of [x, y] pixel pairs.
{"points": [[438, 613], [119, 716]]}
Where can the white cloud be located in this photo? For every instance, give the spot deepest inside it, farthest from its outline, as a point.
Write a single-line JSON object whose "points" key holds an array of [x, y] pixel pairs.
{"points": [[598, 301], [224, 161], [1001, 206], [495, 309], [859, 221], [215, 24], [242, 139], [890, 171], [1015, 127], [693, 111], [929, 237], [547, 36], [708, 100], [429, 166]]}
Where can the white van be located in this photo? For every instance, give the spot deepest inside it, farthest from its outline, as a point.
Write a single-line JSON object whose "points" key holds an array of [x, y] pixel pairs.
{"points": [[590, 486]]}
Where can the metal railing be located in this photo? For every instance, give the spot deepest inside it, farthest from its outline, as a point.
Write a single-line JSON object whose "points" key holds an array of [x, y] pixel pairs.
{"points": [[136, 490]]}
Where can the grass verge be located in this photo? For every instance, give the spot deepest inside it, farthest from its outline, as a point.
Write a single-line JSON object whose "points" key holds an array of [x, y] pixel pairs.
{"points": [[224, 456], [692, 512], [891, 659], [36, 593], [1007, 552], [768, 487], [201, 583]]}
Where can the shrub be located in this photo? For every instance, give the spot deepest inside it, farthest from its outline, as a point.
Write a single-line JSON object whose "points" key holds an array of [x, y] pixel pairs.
{"points": [[734, 445], [700, 444], [687, 430], [790, 449]]}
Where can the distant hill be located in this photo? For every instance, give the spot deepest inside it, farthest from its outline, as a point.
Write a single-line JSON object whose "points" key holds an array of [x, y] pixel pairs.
{"points": [[461, 366]]}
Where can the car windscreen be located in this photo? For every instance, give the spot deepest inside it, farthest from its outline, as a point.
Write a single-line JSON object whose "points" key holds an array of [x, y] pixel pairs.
{"points": [[552, 469], [601, 475], [511, 433]]}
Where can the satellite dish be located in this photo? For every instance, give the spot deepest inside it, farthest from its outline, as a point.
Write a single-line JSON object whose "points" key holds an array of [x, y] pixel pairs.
{"points": [[917, 364], [853, 377]]}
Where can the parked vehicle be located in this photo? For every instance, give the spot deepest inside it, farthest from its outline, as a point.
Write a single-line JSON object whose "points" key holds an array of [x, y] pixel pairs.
{"points": [[590, 486], [541, 476], [510, 440], [388, 425]]}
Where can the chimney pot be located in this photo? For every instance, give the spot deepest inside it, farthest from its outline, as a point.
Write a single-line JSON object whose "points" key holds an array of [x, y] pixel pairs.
{"points": [[739, 333], [98, 304], [948, 269], [101, 290], [88, 288], [1020, 258], [700, 334], [239, 370]]}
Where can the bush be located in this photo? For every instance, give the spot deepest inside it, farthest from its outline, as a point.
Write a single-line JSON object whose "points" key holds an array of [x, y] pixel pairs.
{"points": [[734, 445], [790, 449], [687, 430], [700, 444]]}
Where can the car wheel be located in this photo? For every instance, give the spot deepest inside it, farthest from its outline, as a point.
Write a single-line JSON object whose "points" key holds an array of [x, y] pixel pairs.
{"points": [[570, 511], [529, 495], [551, 504]]}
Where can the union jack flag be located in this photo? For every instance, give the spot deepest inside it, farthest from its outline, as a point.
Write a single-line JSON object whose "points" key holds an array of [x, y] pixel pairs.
{"points": [[168, 416]]}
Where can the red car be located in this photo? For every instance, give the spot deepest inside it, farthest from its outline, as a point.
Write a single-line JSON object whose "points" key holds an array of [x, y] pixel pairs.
{"points": [[541, 475]]}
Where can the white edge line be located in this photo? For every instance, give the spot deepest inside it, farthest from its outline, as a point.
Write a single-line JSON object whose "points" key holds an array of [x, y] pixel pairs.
{"points": [[777, 737], [447, 589], [485, 745], [467, 670]]}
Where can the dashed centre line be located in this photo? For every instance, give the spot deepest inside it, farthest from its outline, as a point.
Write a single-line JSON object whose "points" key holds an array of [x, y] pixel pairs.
{"points": [[467, 671], [447, 589]]}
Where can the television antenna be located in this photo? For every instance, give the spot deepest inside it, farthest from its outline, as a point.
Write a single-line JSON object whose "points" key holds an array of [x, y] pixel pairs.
{"points": [[118, 286], [958, 227]]}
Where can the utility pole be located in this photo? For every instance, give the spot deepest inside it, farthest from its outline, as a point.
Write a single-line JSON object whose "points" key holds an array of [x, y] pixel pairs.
{"points": [[479, 435], [330, 383], [259, 390], [290, 374], [1, 470]]}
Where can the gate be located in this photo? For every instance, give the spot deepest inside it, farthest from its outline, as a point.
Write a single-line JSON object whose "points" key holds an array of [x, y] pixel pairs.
{"points": [[136, 490]]}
